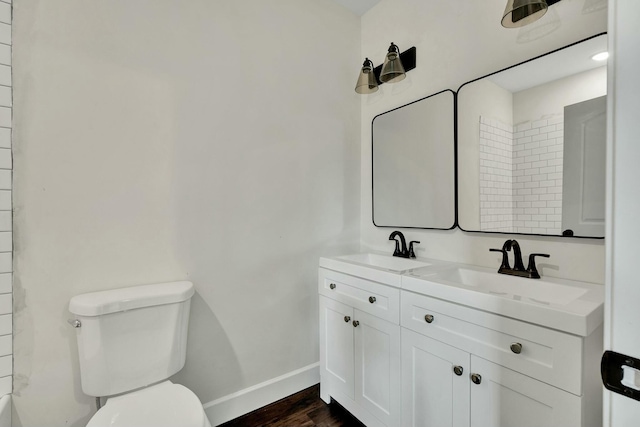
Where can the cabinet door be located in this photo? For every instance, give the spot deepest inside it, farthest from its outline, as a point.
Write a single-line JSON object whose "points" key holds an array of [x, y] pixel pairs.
{"points": [[336, 346], [505, 398], [377, 364], [433, 395]]}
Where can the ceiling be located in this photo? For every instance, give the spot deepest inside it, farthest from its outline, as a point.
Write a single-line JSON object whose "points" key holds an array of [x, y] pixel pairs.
{"points": [[359, 7]]}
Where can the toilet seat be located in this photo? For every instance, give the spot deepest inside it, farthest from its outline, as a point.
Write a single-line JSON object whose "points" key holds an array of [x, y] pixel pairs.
{"points": [[161, 405]]}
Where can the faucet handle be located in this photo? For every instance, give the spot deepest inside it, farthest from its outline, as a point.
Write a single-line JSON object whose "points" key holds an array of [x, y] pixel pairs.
{"points": [[505, 259], [412, 254], [531, 269]]}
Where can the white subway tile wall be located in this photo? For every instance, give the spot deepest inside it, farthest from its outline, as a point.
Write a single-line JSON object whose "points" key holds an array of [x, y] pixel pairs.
{"points": [[6, 165], [496, 176], [538, 150], [521, 175]]}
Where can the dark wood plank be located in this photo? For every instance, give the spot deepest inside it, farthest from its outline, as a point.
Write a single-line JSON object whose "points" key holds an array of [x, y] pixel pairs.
{"points": [[303, 409], [333, 415]]}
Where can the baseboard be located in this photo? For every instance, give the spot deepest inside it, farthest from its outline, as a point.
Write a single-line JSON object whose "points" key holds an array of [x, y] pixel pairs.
{"points": [[244, 401]]}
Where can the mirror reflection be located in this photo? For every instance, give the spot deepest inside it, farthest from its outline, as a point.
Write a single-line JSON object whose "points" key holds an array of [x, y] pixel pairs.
{"points": [[531, 143], [414, 164]]}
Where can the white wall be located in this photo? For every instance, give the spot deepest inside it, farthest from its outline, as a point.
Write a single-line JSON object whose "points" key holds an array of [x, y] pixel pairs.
{"points": [[160, 140], [457, 43]]}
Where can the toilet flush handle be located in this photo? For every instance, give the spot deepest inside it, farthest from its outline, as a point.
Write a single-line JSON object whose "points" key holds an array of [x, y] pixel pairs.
{"points": [[75, 323]]}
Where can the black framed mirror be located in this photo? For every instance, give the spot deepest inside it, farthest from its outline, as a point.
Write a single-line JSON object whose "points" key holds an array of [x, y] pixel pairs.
{"points": [[413, 164], [532, 143]]}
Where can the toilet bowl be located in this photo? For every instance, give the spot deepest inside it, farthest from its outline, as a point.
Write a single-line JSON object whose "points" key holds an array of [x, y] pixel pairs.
{"points": [[161, 405]]}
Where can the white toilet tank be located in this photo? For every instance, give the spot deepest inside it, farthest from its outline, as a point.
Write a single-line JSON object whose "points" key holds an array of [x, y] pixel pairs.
{"points": [[131, 337]]}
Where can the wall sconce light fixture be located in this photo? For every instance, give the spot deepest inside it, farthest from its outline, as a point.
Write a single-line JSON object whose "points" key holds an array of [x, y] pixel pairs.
{"points": [[393, 69], [519, 13], [367, 82]]}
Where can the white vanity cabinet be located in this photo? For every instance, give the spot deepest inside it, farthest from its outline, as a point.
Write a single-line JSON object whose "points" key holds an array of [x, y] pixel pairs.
{"points": [[438, 390], [435, 383], [514, 374], [416, 348], [360, 347], [505, 398], [337, 347]]}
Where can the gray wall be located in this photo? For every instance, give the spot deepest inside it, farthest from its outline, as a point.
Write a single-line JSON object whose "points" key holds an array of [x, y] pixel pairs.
{"points": [[161, 140]]}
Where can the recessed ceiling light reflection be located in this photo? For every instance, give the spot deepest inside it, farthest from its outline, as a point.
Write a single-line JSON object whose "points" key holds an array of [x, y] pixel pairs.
{"points": [[602, 56]]}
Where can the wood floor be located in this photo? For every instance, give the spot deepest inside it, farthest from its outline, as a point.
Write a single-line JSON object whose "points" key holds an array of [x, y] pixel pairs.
{"points": [[303, 409]]}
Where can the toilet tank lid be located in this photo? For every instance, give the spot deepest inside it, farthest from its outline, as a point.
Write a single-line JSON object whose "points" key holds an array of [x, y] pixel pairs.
{"points": [[123, 299]]}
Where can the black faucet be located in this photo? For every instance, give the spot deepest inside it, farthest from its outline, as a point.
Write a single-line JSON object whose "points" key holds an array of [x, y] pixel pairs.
{"points": [[518, 269], [517, 256], [505, 256], [401, 247]]}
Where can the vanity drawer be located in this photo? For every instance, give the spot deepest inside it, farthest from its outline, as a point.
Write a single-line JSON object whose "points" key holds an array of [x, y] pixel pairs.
{"points": [[374, 298], [548, 355]]}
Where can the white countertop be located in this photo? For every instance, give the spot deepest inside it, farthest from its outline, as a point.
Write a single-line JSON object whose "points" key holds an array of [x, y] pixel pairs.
{"points": [[566, 305], [351, 264]]}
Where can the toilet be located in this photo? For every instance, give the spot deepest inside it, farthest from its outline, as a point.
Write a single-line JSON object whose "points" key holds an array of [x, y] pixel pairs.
{"points": [[130, 341]]}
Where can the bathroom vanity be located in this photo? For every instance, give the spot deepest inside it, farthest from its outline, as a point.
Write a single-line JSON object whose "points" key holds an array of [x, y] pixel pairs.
{"points": [[431, 343]]}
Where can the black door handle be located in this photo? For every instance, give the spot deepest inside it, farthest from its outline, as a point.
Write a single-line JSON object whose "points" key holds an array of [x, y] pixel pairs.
{"points": [[612, 369]]}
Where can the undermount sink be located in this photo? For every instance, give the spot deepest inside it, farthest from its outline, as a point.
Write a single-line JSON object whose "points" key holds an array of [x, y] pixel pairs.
{"points": [[535, 290], [395, 264], [379, 267]]}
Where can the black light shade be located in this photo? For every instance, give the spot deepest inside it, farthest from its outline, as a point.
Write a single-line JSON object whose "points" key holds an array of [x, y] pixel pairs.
{"points": [[519, 13], [392, 68], [367, 82]]}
